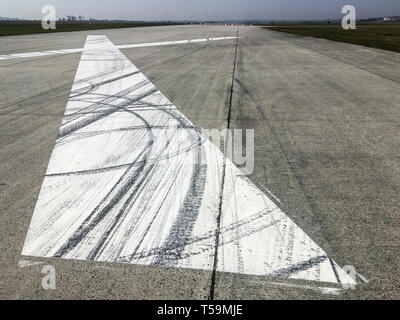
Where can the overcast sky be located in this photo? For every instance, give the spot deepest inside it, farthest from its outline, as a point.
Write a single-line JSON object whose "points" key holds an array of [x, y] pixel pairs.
{"points": [[199, 9]]}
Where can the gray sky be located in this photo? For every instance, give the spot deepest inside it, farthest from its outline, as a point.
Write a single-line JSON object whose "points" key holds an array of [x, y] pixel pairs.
{"points": [[200, 9]]}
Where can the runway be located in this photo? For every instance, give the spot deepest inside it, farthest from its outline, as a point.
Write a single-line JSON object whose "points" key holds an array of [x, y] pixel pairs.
{"points": [[325, 121]]}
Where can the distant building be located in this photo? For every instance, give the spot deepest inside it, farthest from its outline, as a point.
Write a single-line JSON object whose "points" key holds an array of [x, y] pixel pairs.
{"points": [[391, 19]]}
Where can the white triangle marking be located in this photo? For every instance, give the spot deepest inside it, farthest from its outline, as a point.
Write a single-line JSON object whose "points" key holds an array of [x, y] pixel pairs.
{"points": [[111, 195]]}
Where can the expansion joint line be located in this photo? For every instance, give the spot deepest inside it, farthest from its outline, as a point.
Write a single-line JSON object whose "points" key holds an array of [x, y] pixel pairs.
{"points": [[221, 195]]}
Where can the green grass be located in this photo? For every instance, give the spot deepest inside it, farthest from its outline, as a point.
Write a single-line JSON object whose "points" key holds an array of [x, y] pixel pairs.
{"points": [[386, 37], [11, 28]]}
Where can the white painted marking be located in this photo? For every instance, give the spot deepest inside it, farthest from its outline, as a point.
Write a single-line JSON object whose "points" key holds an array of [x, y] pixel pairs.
{"points": [[323, 290], [125, 46], [28, 263], [110, 195]]}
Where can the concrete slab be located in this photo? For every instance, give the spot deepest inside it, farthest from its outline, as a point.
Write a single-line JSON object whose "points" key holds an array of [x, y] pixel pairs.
{"points": [[326, 124]]}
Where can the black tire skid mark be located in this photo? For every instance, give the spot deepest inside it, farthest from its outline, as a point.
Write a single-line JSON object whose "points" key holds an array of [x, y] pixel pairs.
{"points": [[74, 240], [226, 230], [67, 129], [183, 122], [87, 226]]}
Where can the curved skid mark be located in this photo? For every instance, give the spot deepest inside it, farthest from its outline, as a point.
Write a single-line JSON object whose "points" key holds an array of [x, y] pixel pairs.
{"points": [[120, 188]]}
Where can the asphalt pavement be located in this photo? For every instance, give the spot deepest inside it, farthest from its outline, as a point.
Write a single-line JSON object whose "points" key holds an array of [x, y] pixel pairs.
{"points": [[326, 121]]}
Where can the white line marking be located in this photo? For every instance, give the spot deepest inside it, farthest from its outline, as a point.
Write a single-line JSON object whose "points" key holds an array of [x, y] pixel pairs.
{"points": [[125, 46], [28, 263], [110, 195], [323, 290]]}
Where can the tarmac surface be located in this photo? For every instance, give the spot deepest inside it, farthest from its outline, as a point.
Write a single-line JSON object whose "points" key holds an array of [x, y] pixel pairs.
{"points": [[326, 120]]}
